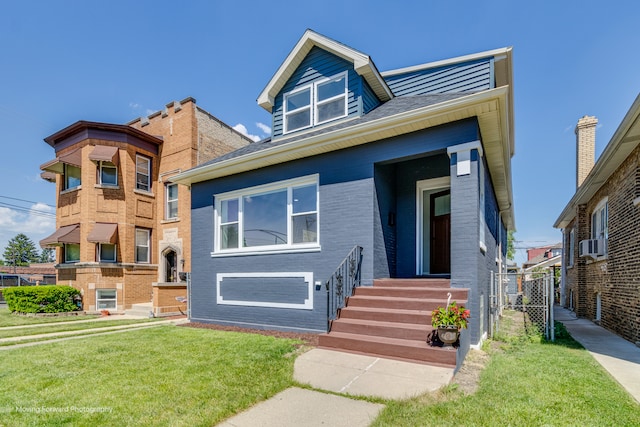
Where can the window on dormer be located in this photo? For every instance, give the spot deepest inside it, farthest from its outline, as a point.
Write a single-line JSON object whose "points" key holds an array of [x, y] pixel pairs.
{"points": [[316, 103], [331, 99]]}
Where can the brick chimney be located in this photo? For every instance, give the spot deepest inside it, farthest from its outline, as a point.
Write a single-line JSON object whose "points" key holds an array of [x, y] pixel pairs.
{"points": [[585, 147]]}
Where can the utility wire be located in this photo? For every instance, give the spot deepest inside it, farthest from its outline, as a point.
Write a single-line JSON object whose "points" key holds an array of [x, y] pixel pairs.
{"points": [[26, 201], [28, 210]]}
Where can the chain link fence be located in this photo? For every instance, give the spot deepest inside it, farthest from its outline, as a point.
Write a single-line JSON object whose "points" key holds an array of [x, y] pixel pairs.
{"points": [[531, 294]]}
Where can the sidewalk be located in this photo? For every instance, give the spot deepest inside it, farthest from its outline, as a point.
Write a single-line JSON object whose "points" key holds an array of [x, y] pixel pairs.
{"points": [[618, 356], [344, 373]]}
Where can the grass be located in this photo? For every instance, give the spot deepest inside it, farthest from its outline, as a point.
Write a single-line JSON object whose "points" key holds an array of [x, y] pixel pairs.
{"points": [[162, 376], [527, 382], [55, 328], [8, 319]]}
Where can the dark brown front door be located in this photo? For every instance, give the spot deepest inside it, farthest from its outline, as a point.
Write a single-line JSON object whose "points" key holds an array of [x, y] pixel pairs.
{"points": [[440, 250]]}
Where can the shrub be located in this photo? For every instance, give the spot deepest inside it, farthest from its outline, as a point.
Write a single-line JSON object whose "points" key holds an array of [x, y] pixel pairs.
{"points": [[41, 299]]}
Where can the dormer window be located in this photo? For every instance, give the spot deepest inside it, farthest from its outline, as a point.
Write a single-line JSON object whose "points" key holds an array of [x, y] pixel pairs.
{"points": [[329, 102]]}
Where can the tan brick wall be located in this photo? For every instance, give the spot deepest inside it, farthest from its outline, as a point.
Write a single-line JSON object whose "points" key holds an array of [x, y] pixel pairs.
{"points": [[185, 130], [585, 147], [165, 302]]}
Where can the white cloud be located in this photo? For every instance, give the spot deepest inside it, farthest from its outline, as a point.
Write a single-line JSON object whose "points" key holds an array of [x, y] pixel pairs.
{"points": [[37, 223], [243, 130], [264, 128]]}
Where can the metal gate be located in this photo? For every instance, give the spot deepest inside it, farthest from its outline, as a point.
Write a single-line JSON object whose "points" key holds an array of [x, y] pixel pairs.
{"points": [[530, 293]]}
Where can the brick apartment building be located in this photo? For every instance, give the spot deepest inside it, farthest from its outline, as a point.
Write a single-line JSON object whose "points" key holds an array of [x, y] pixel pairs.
{"points": [[123, 228], [601, 236]]}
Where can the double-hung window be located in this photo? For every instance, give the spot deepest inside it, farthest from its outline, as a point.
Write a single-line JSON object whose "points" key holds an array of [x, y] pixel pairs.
{"points": [[278, 216], [600, 223], [72, 177], [316, 103], [142, 245], [106, 299], [107, 173], [143, 173], [171, 202]]}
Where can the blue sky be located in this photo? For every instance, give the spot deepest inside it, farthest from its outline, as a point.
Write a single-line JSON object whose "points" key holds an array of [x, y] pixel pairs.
{"points": [[118, 60]]}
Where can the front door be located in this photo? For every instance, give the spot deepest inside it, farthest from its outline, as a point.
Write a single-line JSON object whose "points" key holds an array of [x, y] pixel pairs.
{"points": [[170, 267], [440, 232]]}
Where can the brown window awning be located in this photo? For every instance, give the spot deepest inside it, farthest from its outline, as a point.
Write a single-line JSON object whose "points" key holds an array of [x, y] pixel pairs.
{"points": [[66, 234], [104, 153], [104, 233], [73, 158]]}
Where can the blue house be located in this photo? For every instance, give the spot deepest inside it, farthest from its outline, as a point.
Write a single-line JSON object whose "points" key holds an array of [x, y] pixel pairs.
{"points": [[402, 177]]}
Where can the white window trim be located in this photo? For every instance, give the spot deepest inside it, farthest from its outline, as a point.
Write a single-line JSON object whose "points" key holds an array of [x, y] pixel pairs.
{"points": [[482, 205], [167, 201], [101, 165], [148, 160], [115, 252], [602, 233], [306, 276], [115, 300], [297, 110], [289, 247], [313, 102], [148, 245]]}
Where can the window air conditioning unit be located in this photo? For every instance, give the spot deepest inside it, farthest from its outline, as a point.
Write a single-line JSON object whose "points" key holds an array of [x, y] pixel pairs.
{"points": [[591, 247]]}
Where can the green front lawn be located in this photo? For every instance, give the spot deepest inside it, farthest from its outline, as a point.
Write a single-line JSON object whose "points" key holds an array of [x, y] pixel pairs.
{"points": [[56, 327], [8, 319], [527, 382], [163, 376]]}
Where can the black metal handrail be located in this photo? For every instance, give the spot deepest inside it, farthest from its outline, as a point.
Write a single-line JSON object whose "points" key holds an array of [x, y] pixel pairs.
{"points": [[342, 282]]}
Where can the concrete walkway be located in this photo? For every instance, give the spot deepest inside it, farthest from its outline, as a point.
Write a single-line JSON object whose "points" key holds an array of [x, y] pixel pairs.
{"points": [[344, 373], [618, 356]]}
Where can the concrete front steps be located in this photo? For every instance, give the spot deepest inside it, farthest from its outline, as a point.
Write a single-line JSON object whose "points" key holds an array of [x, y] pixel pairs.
{"points": [[141, 309], [392, 319]]}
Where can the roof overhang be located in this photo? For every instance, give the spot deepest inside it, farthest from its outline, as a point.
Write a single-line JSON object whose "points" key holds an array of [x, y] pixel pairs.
{"points": [[83, 125], [550, 262], [493, 109], [625, 139], [362, 64]]}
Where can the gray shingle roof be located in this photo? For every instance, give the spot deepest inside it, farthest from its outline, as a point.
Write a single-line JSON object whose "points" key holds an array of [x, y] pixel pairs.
{"points": [[390, 108]]}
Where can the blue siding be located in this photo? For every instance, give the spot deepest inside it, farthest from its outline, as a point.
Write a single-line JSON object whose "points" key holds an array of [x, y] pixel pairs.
{"points": [[408, 174], [288, 290], [369, 98], [463, 77], [353, 210], [319, 64]]}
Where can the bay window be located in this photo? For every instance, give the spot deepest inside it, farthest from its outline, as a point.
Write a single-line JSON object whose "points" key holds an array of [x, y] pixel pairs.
{"points": [[272, 217]]}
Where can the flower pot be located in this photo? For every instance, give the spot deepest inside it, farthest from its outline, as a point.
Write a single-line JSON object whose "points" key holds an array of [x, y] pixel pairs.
{"points": [[448, 334]]}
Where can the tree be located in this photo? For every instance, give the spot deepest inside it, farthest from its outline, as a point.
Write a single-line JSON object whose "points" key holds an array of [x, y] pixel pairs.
{"points": [[511, 248], [47, 255], [21, 251]]}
